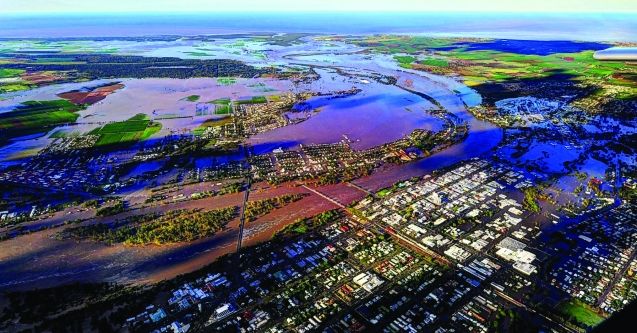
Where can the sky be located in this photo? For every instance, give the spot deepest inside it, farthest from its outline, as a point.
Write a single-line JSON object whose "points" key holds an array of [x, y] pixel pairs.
{"points": [[172, 6]]}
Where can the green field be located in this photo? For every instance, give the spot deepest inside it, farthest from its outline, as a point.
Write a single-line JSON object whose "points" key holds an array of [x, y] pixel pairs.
{"points": [[137, 128], [613, 79], [10, 72], [384, 192], [37, 116], [404, 44], [435, 62], [404, 61], [223, 109], [222, 105], [253, 100], [226, 81], [10, 80], [493, 66], [581, 313], [11, 87]]}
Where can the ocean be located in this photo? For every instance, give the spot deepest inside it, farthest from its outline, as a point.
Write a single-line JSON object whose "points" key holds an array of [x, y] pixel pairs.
{"points": [[582, 27]]}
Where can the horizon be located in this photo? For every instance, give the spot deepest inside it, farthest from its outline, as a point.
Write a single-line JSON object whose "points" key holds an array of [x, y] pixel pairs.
{"points": [[501, 25], [325, 12], [332, 6]]}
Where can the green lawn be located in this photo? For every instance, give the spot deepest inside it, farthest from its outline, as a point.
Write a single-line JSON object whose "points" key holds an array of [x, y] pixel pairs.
{"points": [[581, 312], [223, 109], [384, 192], [220, 101]]}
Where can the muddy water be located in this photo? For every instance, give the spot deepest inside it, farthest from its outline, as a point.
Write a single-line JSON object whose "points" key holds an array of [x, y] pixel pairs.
{"points": [[379, 113], [450, 94]]}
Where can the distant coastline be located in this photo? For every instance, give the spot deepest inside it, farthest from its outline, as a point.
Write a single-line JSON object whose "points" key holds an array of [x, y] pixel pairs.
{"points": [[595, 27]]}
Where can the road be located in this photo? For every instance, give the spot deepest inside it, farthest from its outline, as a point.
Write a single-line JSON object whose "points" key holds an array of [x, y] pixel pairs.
{"points": [[350, 184], [620, 273], [246, 194], [334, 201]]}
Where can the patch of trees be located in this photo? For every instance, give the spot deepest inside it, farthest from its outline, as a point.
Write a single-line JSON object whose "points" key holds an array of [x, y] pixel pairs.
{"points": [[231, 188], [173, 227], [628, 193], [305, 225], [256, 209], [181, 226], [531, 197], [117, 208], [97, 66], [75, 307], [345, 175], [552, 87]]}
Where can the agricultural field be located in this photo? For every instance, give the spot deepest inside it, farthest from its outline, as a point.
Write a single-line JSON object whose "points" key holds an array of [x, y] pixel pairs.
{"points": [[226, 81], [253, 100], [92, 95], [222, 106], [490, 65], [404, 44], [37, 116], [10, 80], [483, 65], [137, 128], [8, 72]]}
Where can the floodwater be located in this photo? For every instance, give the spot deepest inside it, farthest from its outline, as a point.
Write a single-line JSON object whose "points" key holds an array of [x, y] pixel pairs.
{"points": [[378, 114]]}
